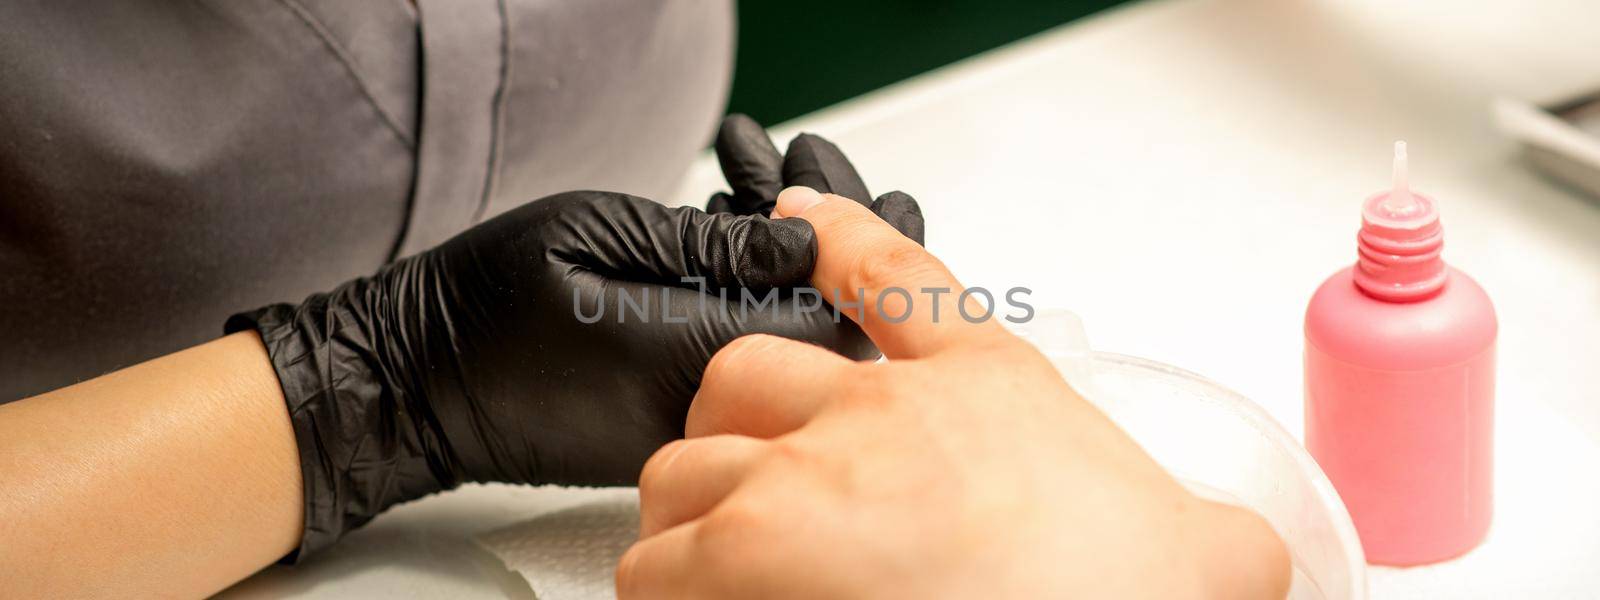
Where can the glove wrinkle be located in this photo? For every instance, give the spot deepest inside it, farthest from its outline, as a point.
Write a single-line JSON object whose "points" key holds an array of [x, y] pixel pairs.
{"points": [[351, 430], [696, 250], [739, 263]]}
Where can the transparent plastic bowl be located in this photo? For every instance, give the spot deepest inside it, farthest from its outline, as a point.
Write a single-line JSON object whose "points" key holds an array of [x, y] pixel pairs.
{"points": [[1222, 447]]}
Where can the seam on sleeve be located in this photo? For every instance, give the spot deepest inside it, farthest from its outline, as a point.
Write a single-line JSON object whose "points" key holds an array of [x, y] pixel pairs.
{"points": [[492, 176], [343, 56]]}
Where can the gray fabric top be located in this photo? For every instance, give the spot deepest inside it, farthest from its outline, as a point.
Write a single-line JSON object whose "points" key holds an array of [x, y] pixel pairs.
{"points": [[164, 164]]}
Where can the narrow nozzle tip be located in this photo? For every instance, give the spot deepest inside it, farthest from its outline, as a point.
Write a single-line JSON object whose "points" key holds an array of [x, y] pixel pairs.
{"points": [[1400, 204]]}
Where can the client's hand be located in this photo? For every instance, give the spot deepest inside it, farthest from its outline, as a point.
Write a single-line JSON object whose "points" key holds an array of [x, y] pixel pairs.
{"points": [[965, 467], [556, 343]]}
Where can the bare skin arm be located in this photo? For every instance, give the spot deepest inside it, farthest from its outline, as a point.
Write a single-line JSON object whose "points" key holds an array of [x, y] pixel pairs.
{"points": [[171, 478]]}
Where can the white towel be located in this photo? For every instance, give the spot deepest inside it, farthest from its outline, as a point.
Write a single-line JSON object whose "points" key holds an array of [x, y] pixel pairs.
{"points": [[570, 554]]}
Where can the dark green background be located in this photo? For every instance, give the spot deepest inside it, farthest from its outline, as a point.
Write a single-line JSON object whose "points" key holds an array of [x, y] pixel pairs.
{"points": [[796, 56]]}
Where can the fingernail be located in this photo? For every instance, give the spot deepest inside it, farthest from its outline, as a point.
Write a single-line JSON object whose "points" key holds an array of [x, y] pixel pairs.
{"points": [[795, 200]]}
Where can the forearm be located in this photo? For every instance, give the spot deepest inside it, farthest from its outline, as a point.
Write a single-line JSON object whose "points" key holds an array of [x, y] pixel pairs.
{"points": [[175, 478]]}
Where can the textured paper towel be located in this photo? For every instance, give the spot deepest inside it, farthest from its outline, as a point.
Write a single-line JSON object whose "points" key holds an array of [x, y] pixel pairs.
{"points": [[570, 554]]}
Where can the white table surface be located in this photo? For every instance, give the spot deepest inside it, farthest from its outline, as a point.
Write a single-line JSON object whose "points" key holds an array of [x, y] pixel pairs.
{"points": [[1183, 174]]}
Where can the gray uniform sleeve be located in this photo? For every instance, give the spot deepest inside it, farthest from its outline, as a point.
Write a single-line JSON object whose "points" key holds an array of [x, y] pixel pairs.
{"points": [[165, 164]]}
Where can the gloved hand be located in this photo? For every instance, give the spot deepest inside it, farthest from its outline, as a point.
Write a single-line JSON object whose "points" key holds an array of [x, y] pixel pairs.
{"points": [[556, 343], [757, 172]]}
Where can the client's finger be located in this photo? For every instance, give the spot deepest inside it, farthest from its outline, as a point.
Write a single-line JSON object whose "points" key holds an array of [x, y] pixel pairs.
{"points": [[764, 386], [909, 300], [687, 478], [659, 566]]}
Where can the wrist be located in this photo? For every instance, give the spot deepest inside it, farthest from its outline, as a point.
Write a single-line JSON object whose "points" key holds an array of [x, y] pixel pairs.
{"points": [[1238, 553], [354, 424]]}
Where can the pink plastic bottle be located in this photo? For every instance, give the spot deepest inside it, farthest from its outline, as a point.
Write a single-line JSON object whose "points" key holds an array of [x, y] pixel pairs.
{"points": [[1400, 386]]}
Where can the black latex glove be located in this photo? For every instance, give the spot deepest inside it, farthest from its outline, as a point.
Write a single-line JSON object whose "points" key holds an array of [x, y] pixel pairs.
{"points": [[470, 362], [757, 172]]}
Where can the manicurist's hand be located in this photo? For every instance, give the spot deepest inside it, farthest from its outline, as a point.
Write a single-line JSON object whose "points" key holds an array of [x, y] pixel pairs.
{"points": [[560, 342], [962, 467]]}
